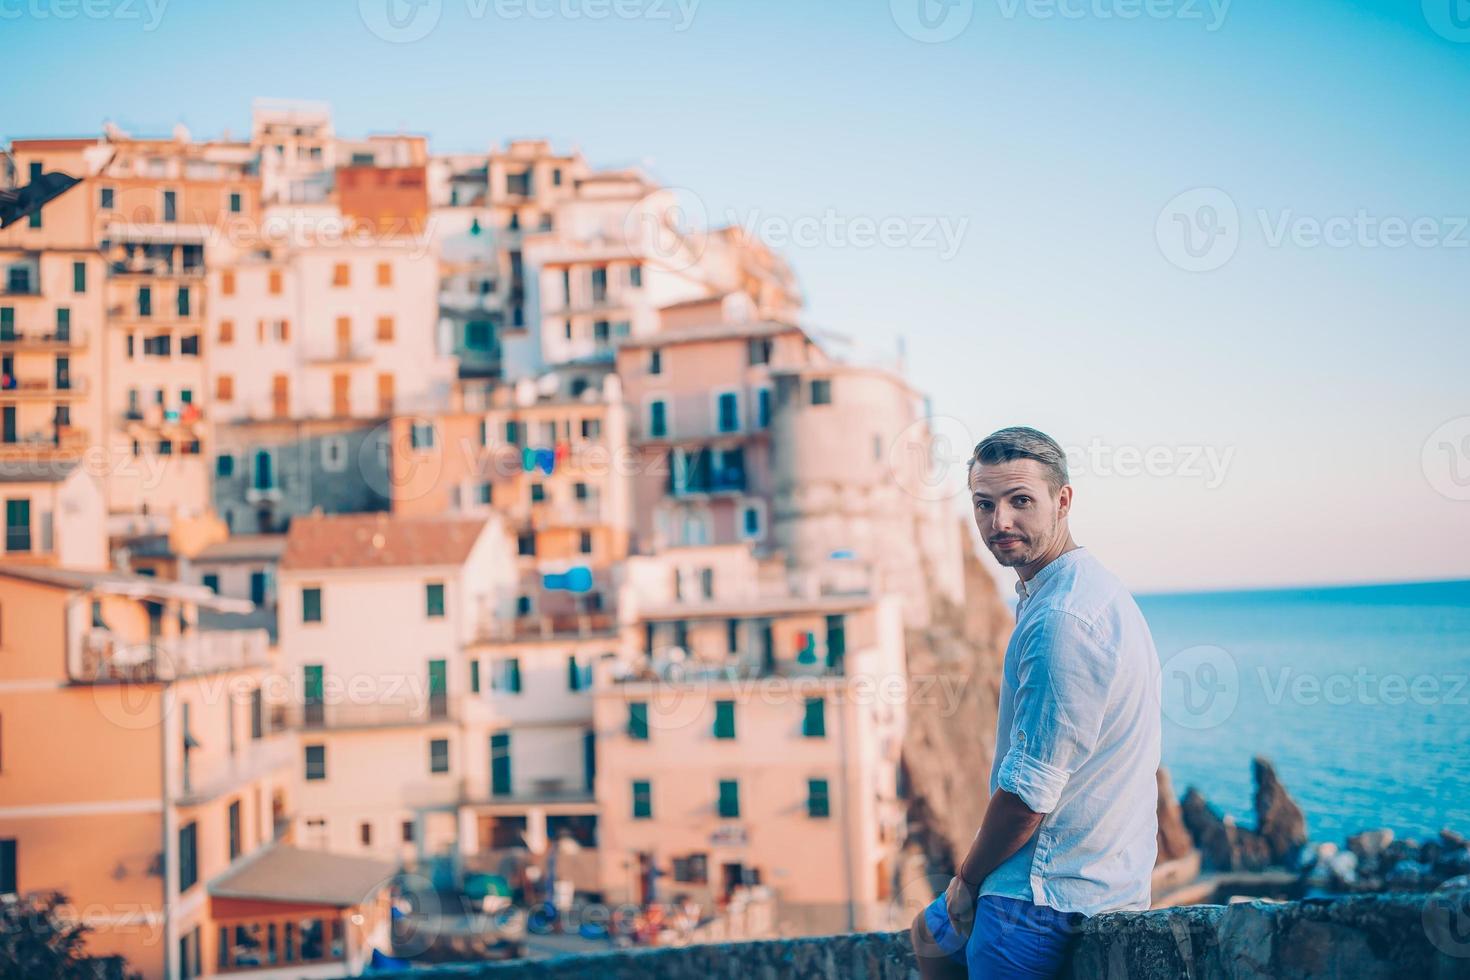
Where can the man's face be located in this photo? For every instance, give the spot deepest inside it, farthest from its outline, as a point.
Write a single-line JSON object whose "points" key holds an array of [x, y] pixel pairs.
{"points": [[1015, 511]]}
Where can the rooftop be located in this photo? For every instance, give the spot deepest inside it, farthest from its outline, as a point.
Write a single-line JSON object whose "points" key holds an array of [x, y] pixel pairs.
{"points": [[721, 331], [281, 873], [379, 541], [125, 584], [245, 547]]}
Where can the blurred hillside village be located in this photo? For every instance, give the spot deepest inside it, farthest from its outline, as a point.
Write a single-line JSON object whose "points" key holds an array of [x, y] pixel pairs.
{"points": [[373, 511]]}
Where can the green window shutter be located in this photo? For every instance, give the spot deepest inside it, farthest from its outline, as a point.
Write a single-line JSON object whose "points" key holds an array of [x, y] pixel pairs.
{"points": [[729, 798], [515, 675], [817, 801], [808, 652], [434, 599], [474, 677], [724, 719], [311, 605], [642, 799], [574, 678], [638, 719], [814, 722]]}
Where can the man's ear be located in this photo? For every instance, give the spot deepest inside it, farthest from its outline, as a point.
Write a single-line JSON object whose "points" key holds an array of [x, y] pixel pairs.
{"points": [[1064, 501]]}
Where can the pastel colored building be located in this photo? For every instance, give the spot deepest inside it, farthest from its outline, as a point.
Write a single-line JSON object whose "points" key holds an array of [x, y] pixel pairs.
{"points": [[159, 780], [375, 615], [753, 743], [54, 514]]}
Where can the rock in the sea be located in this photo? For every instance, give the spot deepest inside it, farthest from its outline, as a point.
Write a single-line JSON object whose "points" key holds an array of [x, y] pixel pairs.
{"points": [[1450, 838], [1174, 840], [1452, 864], [1344, 868], [1408, 876], [1370, 843], [1279, 821]]}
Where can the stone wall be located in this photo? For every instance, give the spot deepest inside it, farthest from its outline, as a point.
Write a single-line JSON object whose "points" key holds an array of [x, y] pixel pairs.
{"points": [[1376, 936]]}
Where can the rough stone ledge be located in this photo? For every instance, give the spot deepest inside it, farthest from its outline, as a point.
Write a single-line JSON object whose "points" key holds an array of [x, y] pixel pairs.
{"points": [[1397, 936]]}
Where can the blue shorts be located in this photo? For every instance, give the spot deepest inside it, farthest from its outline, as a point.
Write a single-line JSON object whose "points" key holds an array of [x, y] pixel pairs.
{"points": [[1011, 938]]}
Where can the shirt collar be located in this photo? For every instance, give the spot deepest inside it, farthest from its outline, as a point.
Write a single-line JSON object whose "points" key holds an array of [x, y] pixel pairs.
{"points": [[1026, 590]]}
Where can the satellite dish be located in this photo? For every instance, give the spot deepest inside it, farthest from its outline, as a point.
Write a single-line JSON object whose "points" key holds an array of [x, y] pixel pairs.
{"points": [[548, 385]]}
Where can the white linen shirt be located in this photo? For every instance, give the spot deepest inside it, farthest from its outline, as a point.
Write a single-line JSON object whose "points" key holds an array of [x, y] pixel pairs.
{"points": [[1078, 740]]}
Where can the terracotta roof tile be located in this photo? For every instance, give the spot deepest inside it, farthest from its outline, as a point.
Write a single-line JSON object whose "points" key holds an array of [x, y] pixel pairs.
{"points": [[379, 541]]}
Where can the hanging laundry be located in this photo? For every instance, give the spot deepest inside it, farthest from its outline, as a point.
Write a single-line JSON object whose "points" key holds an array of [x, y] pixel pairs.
{"points": [[546, 459]]}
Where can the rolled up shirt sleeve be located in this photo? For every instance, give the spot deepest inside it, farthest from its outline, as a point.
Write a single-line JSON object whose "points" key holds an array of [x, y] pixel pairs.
{"points": [[1063, 676]]}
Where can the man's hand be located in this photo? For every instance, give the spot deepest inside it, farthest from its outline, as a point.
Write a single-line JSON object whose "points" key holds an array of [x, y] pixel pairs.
{"points": [[959, 901]]}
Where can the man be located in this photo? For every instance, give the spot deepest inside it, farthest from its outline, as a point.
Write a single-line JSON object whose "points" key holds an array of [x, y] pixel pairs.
{"points": [[1071, 825]]}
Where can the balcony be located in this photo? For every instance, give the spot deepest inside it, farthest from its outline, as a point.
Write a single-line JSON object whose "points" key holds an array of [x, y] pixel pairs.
{"points": [[154, 268], [581, 513], [321, 716], [341, 354], [47, 340], [105, 656], [570, 626], [70, 387], [252, 760], [157, 416], [62, 437]]}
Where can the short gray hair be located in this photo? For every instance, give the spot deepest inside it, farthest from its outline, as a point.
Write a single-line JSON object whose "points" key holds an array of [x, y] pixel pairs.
{"points": [[1022, 442]]}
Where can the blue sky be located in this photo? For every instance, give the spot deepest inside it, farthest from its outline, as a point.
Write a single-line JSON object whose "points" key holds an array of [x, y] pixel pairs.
{"points": [[1053, 138]]}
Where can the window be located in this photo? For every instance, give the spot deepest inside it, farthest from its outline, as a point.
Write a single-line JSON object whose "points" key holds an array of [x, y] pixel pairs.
{"points": [[724, 719], [183, 301], [224, 389], [35, 219], [474, 676], [234, 830], [523, 605], [434, 600], [189, 346], [477, 335], [487, 493], [211, 582], [814, 720], [821, 391], [817, 802], [635, 275], [385, 274], [538, 493], [145, 301], [340, 276], [18, 525], [188, 856], [763, 408], [759, 350], [438, 755], [655, 361], [79, 277], [579, 676], [227, 331], [160, 346], [105, 197], [311, 605], [408, 831], [421, 435], [170, 206], [750, 521], [500, 777], [599, 284], [658, 423], [235, 202], [257, 714], [7, 867], [555, 176], [638, 720], [526, 544], [642, 799], [273, 282], [584, 542], [506, 675], [385, 328], [316, 762], [728, 412], [729, 806], [692, 869], [707, 583], [365, 834]]}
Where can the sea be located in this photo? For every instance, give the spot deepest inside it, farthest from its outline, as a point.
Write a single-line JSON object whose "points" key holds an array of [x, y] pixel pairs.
{"points": [[1358, 695]]}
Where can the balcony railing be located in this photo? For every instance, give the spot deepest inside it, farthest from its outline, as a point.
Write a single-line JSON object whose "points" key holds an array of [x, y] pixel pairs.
{"points": [[65, 387], [582, 513], [44, 339], [251, 760], [57, 437], [568, 626], [319, 716], [105, 656]]}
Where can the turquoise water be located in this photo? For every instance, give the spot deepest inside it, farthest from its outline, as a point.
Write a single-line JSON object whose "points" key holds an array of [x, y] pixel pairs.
{"points": [[1359, 695]]}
